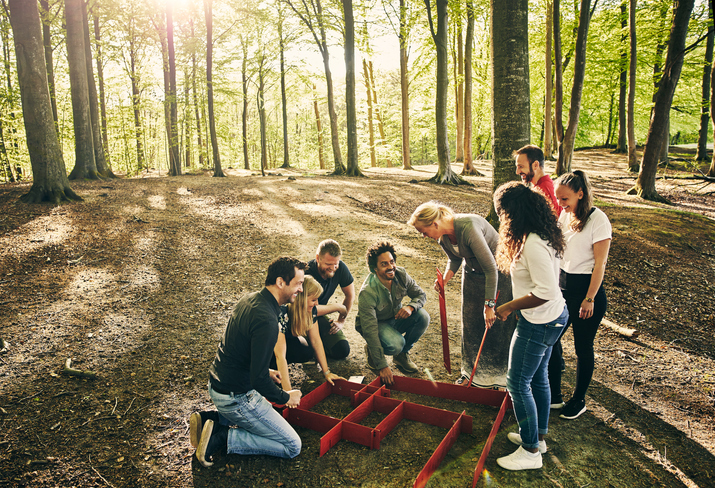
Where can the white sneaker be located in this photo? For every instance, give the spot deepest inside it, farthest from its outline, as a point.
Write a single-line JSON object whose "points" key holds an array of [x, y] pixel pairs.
{"points": [[516, 439], [557, 406], [520, 459]]}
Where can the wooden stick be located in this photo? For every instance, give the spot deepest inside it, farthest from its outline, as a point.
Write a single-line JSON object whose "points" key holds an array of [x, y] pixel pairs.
{"points": [[624, 331], [476, 361], [68, 369]]}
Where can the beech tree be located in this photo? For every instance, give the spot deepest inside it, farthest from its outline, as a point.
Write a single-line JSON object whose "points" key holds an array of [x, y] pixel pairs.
{"points": [[353, 168], [632, 157], [511, 107], [208, 10], [658, 130], [702, 154], [49, 182]]}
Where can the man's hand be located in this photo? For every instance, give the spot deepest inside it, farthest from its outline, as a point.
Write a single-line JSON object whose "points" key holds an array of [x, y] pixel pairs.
{"points": [[336, 326], [405, 312], [386, 376], [275, 376], [294, 400]]}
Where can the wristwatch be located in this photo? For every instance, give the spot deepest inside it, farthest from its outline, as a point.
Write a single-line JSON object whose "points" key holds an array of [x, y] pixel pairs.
{"points": [[589, 299], [489, 303]]}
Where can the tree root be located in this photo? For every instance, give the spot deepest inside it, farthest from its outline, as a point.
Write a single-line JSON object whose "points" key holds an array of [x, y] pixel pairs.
{"points": [[4, 345], [53, 195], [449, 179], [68, 369], [651, 196]]}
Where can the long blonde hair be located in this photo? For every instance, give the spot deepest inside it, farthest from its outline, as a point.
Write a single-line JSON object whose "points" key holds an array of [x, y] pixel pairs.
{"points": [[301, 319], [427, 213]]}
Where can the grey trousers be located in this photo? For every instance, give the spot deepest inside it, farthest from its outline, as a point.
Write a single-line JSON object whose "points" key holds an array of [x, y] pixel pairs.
{"points": [[494, 360]]}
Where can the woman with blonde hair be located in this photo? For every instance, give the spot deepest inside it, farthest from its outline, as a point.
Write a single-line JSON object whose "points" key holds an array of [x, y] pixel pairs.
{"points": [[470, 239], [530, 244], [298, 321]]}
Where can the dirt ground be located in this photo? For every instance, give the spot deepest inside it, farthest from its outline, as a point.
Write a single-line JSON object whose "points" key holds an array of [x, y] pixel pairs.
{"points": [[136, 283]]}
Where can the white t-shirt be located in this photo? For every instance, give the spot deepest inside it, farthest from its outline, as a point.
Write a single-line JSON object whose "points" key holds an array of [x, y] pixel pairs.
{"points": [[537, 272], [578, 257]]}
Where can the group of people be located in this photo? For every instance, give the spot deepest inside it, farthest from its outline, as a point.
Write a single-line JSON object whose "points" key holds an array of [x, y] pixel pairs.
{"points": [[542, 272]]}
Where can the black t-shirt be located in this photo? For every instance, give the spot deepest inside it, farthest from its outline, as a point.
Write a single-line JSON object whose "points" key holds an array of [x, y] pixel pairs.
{"points": [[284, 319], [341, 277]]}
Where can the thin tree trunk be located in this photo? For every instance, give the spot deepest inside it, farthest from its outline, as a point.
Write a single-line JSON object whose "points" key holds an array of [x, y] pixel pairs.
{"points": [[353, 161], [658, 131], [370, 125], [318, 128], [404, 87], [102, 167], [459, 94], [711, 170], [244, 113], [632, 157], [378, 114], [444, 175], [49, 176], [197, 115], [175, 159], [136, 107], [85, 163], [510, 88], [208, 10], [702, 154], [47, 42], [468, 168], [188, 136], [284, 98], [262, 115], [563, 165], [102, 98], [623, 83], [549, 81], [558, 71]]}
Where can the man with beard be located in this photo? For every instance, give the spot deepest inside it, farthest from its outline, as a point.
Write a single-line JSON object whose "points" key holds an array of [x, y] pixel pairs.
{"points": [[382, 319], [241, 385], [530, 167], [330, 271]]}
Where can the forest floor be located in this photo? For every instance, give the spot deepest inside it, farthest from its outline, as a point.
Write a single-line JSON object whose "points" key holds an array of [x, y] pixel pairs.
{"points": [[136, 283]]}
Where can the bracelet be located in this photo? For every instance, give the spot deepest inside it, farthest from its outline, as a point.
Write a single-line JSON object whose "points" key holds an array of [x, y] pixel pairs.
{"points": [[589, 299], [489, 303]]}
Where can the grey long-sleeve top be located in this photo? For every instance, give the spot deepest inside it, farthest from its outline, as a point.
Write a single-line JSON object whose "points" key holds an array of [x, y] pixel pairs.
{"points": [[476, 245], [378, 304]]}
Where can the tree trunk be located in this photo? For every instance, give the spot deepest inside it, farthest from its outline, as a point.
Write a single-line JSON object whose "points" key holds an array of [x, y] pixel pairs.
{"points": [[208, 10], [49, 176], [102, 98], [378, 114], [136, 107], [711, 170], [563, 165], [645, 184], [102, 167], [197, 115], [262, 116], [510, 88], [444, 175], [404, 87], [85, 164], [47, 42], [468, 168], [702, 154], [175, 159], [353, 162], [558, 73], [632, 157], [370, 125], [244, 113], [318, 128], [549, 82], [459, 94], [623, 83], [284, 98]]}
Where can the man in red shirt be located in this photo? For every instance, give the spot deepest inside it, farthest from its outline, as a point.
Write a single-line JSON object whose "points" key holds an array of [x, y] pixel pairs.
{"points": [[530, 166]]}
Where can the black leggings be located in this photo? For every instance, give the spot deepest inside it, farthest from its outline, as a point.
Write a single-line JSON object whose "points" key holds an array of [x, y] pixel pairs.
{"points": [[296, 351], [584, 333]]}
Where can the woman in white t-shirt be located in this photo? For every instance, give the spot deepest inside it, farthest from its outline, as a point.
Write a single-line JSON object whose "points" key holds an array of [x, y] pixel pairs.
{"points": [[587, 232], [530, 243]]}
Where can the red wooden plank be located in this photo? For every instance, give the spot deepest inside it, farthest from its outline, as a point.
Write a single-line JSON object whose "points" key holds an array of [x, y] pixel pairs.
{"points": [[480, 396], [393, 418], [506, 404], [438, 455], [310, 420], [443, 320], [436, 417]]}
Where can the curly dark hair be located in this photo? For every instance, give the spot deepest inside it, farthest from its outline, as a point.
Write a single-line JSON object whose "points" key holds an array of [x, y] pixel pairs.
{"points": [[375, 250], [283, 267], [522, 211]]}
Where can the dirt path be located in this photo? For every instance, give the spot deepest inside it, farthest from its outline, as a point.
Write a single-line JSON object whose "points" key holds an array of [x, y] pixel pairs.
{"points": [[136, 284]]}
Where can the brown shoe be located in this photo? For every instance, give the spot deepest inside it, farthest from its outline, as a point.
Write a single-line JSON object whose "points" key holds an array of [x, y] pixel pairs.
{"points": [[370, 364], [404, 362]]}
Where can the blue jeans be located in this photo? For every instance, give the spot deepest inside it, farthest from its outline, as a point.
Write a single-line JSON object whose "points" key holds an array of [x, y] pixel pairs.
{"points": [[527, 378], [256, 427], [413, 327]]}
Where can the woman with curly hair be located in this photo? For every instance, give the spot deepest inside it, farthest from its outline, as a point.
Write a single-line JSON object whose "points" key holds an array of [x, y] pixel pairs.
{"points": [[297, 321], [530, 244], [470, 239], [587, 232]]}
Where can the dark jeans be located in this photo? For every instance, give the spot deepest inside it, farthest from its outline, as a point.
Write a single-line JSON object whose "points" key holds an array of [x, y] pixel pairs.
{"points": [[336, 345], [584, 333]]}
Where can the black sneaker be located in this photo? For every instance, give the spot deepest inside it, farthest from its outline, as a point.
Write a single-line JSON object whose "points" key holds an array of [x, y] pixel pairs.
{"points": [[196, 425], [213, 438], [573, 409]]}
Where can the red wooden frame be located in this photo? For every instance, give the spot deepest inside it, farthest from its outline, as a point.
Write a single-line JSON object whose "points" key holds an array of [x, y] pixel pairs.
{"points": [[375, 397]]}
